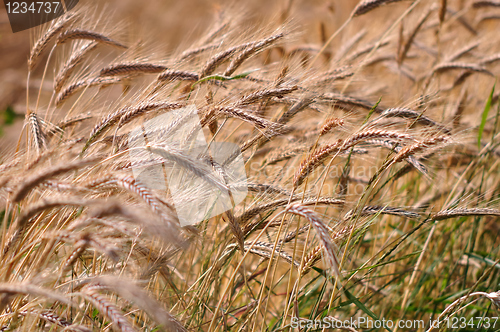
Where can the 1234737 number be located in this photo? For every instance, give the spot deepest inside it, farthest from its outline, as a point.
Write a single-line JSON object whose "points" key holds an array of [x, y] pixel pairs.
{"points": [[37, 7], [474, 323]]}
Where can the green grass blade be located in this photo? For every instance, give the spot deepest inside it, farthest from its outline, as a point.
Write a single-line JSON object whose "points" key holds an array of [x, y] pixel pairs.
{"points": [[361, 306], [372, 110], [223, 78], [485, 116]]}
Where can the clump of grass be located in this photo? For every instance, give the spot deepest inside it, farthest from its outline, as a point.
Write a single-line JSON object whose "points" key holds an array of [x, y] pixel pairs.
{"points": [[332, 224]]}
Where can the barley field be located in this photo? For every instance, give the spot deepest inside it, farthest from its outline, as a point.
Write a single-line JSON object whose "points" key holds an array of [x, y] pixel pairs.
{"points": [[284, 165]]}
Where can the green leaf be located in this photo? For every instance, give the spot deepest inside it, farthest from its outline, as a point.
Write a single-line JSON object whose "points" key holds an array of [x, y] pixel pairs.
{"points": [[389, 262], [485, 116], [485, 260], [9, 115], [361, 306], [372, 110], [222, 77]]}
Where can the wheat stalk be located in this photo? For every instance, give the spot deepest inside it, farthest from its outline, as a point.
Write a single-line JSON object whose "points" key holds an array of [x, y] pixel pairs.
{"points": [[108, 309], [460, 212], [196, 51], [219, 58], [70, 65], [77, 86], [126, 114], [331, 124], [460, 65], [131, 68], [13, 289], [263, 94], [42, 43], [250, 213], [39, 137], [486, 3], [74, 34], [31, 182], [343, 100], [323, 234], [371, 210], [171, 75], [414, 115], [251, 50], [248, 117], [417, 147], [368, 5], [413, 34]]}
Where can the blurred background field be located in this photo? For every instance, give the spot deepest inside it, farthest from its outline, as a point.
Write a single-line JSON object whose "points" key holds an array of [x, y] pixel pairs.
{"points": [[176, 24]]}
